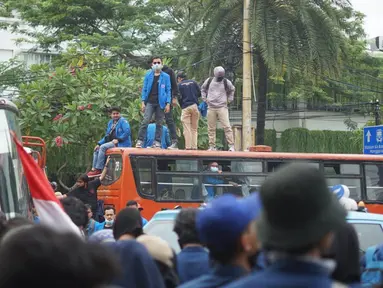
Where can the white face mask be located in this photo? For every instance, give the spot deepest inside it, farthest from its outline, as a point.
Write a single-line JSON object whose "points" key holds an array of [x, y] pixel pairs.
{"points": [[214, 169], [109, 223], [157, 67]]}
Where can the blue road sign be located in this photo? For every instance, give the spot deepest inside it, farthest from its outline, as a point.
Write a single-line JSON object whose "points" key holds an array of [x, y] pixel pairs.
{"points": [[373, 140]]}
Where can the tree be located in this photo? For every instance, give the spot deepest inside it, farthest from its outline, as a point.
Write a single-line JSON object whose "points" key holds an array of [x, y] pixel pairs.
{"points": [[68, 107], [288, 38], [118, 26]]}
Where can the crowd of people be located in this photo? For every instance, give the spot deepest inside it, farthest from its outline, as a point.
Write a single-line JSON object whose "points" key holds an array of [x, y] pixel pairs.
{"points": [[292, 233], [161, 91]]}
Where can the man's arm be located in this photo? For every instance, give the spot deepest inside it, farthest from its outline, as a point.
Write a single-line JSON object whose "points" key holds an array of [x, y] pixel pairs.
{"points": [[103, 174], [125, 131], [168, 89], [232, 91], [203, 90], [144, 91]]}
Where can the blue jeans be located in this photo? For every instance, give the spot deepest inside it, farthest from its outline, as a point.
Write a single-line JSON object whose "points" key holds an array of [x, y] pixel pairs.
{"points": [[150, 110], [99, 155]]}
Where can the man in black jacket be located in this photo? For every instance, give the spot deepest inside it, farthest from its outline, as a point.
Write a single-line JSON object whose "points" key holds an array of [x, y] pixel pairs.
{"points": [[169, 116]]}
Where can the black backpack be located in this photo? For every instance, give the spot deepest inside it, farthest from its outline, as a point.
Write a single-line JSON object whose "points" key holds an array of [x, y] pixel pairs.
{"points": [[224, 83]]}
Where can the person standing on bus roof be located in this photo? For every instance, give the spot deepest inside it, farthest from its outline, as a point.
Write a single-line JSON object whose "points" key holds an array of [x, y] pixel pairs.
{"points": [[217, 92], [118, 134], [86, 190], [156, 98], [169, 116], [189, 94], [151, 134]]}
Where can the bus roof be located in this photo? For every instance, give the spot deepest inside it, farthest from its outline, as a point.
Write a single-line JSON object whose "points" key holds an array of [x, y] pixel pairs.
{"points": [[246, 155], [8, 105]]}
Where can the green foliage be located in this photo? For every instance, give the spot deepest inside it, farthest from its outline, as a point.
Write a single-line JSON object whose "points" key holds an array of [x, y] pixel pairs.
{"points": [[306, 141], [70, 106], [119, 26]]}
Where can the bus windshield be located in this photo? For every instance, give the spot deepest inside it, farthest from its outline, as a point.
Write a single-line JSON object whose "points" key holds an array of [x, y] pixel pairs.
{"points": [[14, 195]]}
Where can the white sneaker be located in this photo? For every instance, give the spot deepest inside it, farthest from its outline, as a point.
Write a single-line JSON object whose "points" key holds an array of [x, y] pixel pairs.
{"points": [[212, 148], [231, 148]]}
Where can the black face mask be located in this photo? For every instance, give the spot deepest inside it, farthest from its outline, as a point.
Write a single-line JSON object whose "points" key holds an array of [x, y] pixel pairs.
{"points": [[219, 79]]}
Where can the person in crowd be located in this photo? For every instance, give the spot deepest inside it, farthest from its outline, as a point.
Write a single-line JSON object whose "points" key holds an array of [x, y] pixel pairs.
{"points": [[135, 205], [151, 134], [345, 251], [109, 216], [140, 270], [362, 207], [156, 99], [217, 92], [189, 93], [11, 224], [210, 180], [86, 190], [299, 218], [192, 254], [91, 226], [128, 224], [102, 237], [163, 256], [227, 228], [118, 134], [40, 257], [77, 212], [169, 116]]}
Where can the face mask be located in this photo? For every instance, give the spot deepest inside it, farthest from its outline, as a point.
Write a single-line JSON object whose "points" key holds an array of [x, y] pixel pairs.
{"points": [[219, 79], [157, 67], [214, 169], [109, 223]]}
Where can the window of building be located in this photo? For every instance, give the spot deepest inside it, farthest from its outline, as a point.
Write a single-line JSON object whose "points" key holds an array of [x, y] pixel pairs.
{"points": [[114, 170]]}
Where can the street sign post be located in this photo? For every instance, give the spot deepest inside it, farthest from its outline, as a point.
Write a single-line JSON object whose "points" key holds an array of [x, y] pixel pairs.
{"points": [[373, 140]]}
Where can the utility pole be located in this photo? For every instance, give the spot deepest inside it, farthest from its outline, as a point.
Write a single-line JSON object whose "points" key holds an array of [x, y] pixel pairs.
{"points": [[377, 113], [246, 96]]}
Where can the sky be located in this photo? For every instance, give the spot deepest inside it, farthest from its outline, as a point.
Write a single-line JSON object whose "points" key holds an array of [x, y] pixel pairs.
{"points": [[373, 9]]}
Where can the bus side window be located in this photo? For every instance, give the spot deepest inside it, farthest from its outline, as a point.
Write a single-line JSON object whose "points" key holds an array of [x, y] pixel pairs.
{"points": [[345, 174], [374, 182], [114, 170], [144, 176]]}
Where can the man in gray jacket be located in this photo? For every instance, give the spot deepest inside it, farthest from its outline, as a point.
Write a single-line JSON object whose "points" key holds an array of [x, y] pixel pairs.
{"points": [[217, 92]]}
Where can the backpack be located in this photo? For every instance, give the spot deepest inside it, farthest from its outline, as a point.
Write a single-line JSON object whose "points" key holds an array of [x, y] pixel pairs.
{"points": [[373, 273], [99, 217], [224, 83]]}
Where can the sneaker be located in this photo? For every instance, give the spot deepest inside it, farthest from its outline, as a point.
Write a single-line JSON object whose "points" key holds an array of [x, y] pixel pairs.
{"points": [[156, 145], [212, 148], [139, 144], [94, 173], [174, 146], [231, 148]]}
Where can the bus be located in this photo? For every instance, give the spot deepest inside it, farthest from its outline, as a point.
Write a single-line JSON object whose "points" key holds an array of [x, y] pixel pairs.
{"points": [[163, 179], [15, 199]]}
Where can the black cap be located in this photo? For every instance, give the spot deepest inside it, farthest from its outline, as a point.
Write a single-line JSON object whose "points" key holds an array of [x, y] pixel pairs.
{"points": [[298, 208]]}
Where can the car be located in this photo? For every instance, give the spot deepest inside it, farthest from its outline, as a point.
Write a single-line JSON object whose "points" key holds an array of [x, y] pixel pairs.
{"points": [[368, 226]]}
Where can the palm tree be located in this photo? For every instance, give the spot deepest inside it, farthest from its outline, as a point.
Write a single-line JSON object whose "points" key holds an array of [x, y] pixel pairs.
{"points": [[287, 36]]}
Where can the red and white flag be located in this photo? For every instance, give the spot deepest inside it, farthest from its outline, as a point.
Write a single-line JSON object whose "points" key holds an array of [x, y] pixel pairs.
{"points": [[48, 207]]}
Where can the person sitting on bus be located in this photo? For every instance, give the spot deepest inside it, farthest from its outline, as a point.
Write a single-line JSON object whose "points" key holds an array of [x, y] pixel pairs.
{"points": [[151, 133], [211, 181], [86, 190], [118, 134]]}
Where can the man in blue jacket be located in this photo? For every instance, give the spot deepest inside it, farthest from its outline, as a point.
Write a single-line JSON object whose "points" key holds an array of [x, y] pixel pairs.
{"points": [[151, 134], [156, 99], [118, 134]]}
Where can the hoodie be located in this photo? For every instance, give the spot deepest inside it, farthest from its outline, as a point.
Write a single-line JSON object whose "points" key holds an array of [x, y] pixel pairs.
{"points": [[173, 80], [138, 268], [217, 96]]}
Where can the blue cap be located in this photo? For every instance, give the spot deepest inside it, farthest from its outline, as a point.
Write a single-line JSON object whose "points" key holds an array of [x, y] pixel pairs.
{"points": [[224, 219]]}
